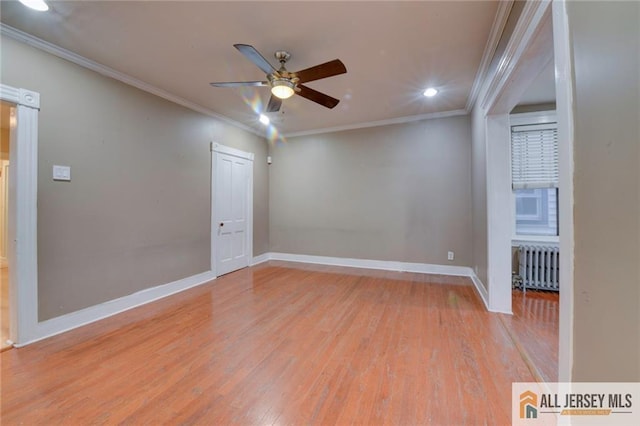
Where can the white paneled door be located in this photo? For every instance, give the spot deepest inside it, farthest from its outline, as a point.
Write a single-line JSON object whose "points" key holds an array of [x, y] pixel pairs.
{"points": [[232, 209]]}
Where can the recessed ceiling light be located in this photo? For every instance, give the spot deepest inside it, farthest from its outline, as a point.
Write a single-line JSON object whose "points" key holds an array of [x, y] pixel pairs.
{"points": [[264, 119], [38, 5], [430, 92]]}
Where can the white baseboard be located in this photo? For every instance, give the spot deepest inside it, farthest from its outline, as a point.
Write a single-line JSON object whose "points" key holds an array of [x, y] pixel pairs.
{"points": [[482, 291], [91, 314], [387, 265], [423, 268], [265, 257], [484, 295]]}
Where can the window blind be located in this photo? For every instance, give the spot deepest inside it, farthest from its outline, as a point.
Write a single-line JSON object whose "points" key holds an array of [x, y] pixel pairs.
{"points": [[534, 156]]}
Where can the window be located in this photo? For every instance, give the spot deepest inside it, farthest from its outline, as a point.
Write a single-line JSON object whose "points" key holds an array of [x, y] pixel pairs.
{"points": [[534, 173], [536, 211]]}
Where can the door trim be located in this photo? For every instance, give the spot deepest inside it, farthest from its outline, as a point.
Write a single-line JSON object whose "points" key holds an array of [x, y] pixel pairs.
{"points": [[529, 50], [217, 148], [564, 111], [23, 215], [4, 213], [526, 53]]}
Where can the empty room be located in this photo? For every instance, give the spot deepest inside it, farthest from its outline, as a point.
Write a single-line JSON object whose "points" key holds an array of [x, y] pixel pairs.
{"points": [[382, 212]]}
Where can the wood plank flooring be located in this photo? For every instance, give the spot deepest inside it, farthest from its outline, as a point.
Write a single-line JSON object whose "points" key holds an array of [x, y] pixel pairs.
{"points": [[278, 344], [534, 327]]}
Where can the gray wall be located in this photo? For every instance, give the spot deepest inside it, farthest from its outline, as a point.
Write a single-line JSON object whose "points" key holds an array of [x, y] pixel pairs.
{"points": [[137, 211], [400, 192], [480, 259], [606, 52], [479, 195]]}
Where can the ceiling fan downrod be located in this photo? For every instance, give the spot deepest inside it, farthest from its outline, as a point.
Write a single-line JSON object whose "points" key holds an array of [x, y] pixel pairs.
{"points": [[282, 56]]}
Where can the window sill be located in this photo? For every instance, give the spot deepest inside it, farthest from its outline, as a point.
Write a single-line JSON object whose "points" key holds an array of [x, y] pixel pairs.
{"points": [[534, 240]]}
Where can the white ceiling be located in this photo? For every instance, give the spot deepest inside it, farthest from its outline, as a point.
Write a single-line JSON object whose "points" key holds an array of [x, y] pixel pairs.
{"points": [[392, 51], [542, 89]]}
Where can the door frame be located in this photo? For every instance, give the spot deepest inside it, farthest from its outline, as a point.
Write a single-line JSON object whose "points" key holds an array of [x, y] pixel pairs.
{"points": [[529, 50], [217, 148], [524, 56], [4, 213], [22, 250]]}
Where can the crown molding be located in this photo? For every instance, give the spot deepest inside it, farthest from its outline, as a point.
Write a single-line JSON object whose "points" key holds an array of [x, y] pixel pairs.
{"points": [[499, 22], [398, 120], [70, 56], [529, 22]]}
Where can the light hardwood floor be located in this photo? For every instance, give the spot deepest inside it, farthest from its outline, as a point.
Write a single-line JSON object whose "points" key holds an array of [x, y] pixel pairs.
{"points": [[278, 344], [534, 327]]}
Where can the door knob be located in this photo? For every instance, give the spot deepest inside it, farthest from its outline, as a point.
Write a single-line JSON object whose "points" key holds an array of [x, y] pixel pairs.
{"points": [[221, 223]]}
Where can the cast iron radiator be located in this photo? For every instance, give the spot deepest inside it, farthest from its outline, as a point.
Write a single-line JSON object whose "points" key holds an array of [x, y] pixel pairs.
{"points": [[539, 267]]}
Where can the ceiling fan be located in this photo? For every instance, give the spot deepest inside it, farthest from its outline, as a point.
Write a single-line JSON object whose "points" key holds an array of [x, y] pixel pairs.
{"points": [[285, 84]]}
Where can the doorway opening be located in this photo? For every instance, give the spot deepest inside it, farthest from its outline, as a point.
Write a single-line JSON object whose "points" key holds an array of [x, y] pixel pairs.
{"points": [[535, 231], [541, 36], [7, 128]]}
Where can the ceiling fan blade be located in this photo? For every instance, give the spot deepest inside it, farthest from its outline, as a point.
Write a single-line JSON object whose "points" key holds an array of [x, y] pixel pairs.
{"points": [[274, 104], [317, 97], [328, 69], [240, 83], [254, 56]]}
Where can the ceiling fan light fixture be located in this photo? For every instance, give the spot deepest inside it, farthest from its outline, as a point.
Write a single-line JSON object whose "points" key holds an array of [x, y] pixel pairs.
{"points": [[282, 88], [38, 5]]}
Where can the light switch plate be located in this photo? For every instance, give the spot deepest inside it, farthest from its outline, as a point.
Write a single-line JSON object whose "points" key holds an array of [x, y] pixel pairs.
{"points": [[62, 173]]}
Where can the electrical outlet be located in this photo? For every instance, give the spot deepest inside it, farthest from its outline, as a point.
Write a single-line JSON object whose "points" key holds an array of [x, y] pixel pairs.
{"points": [[450, 255], [62, 173]]}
